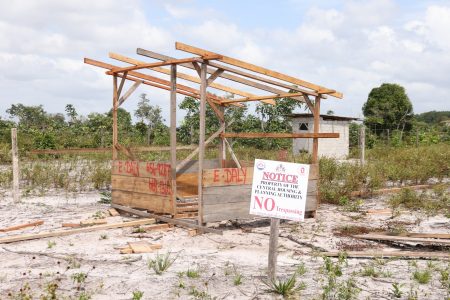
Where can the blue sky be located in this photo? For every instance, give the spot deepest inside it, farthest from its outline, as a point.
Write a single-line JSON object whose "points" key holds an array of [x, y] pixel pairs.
{"points": [[350, 46]]}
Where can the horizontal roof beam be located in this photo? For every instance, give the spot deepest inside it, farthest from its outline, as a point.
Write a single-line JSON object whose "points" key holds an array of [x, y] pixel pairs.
{"points": [[261, 135], [259, 98], [181, 75], [255, 68]]}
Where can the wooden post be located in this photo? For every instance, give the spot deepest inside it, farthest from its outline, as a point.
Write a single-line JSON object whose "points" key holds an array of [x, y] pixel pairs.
{"points": [[173, 135], [114, 115], [417, 138], [222, 150], [315, 152], [273, 248], [362, 146], [15, 165], [201, 143]]}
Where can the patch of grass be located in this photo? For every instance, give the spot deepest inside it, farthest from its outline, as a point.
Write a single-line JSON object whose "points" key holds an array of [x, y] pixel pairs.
{"points": [[396, 290], [161, 262], [105, 197], [301, 269], [286, 287], [201, 295], [422, 277], [193, 273], [103, 237], [237, 280], [79, 278], [137, 295], [51, 244], [349, 230], [370, 271]]}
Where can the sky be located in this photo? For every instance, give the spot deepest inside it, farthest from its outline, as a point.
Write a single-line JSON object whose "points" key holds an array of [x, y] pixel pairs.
{"points": [[349, 46]]}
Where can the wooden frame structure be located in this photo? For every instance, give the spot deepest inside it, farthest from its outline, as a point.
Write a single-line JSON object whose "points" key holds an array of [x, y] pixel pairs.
{"points": [[222, 187]]}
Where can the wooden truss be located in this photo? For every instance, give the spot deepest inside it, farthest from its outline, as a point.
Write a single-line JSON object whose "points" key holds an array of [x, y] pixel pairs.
{"points": [[210, 66]]}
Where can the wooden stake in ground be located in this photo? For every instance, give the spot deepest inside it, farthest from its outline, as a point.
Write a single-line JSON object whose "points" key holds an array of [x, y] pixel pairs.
{"points": [[273, 248], [362, 139], [15, 165]]}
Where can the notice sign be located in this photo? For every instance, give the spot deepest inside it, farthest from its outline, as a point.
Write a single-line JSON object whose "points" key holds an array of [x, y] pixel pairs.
{"points": [[279, 189]]}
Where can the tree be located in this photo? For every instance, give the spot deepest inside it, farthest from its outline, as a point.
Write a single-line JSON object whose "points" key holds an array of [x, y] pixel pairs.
{"points": [[388, 107], [150, 114], [29, 116], [71, 113]]}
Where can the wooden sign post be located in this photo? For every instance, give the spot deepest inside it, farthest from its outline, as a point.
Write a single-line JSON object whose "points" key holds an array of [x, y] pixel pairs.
{"points": [[15, 165], [279, 191]]}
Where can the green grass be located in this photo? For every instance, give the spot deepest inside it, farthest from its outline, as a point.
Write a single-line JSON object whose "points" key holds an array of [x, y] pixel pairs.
{"points": [[422, 277], [161, 263], [285, 287]]}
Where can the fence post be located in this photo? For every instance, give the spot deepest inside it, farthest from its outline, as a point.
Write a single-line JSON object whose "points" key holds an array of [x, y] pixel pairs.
{"points": [[362, 139], [15, 165]]}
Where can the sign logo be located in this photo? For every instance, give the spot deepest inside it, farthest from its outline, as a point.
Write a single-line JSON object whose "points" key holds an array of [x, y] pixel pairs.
{"points": [[261, 165]]}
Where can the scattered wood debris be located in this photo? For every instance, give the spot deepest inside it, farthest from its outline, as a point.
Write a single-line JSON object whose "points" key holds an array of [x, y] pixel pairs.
{"points": [[381, 254], [91, 222], [192, 232], [403, 239], [17, 227], [140, 247], [24, 237], [113, 212]]}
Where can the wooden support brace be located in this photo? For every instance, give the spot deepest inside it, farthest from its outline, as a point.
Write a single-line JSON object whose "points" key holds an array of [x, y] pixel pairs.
{"points": [[122, 82], [196, 150], [233, 156], [213, 77], [129, 92]]}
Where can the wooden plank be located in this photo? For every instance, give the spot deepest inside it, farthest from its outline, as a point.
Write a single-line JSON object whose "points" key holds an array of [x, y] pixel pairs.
{"points": [[173, 135], [147, 169], [114, 117], [381, 254], [92, 222], [259, 98], [273, 248], [167, 220], [155, 227], [316, 128], [233, 155], [201, 142], [400, 239], [26, 237], [21, 226], [155, 203], [113, 212], [143, 247], [152, 80], [187, 185], [257, 69], [101, 150], [213, 76], [185, 161], [151, 65], [15, 166], [227, 176], [129, 91], [416, 234], [261, 135], [224, 75]]}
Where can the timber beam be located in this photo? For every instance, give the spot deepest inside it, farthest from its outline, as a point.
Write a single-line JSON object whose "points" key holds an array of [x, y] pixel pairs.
{"points": [[257, 69], [261, 135], [259, 98]]}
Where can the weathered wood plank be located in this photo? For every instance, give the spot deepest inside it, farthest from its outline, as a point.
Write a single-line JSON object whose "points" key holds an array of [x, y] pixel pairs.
{"points": [[142, 185], [263, 135], [227, 176], [257, 69], [167, 220], [21, 226], [25, 237], [400, 239], [155, 203], [381, 254]]}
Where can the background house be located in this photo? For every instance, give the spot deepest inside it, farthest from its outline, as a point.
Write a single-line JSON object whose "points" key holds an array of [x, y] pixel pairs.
{"points": [[337, 148]]}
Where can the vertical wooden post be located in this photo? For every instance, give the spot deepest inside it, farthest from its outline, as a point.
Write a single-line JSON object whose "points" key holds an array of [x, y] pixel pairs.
{"points": [[417, 138], [316, 113], [222, 146], [114, 115], [173, 135], [15, 165], [273, 248], [201, 143], [362, 146], [388, 138]]}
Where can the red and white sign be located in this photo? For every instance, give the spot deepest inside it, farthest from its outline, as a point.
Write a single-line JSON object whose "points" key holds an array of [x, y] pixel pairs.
{"points": [[279, 189]]}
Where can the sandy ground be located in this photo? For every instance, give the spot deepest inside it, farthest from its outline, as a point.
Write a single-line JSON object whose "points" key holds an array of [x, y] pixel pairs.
{"points": [[219, 260]]}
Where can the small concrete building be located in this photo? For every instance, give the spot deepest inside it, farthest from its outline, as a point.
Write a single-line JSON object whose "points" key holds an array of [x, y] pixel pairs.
{"points": [[337, 148]]}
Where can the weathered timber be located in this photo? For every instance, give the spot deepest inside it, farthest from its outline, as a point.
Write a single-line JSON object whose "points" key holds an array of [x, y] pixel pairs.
{"points": [[21, 226], [25, 237], [400, 239], [167, 220], [257, 69], [382, 254], [262, 135]]}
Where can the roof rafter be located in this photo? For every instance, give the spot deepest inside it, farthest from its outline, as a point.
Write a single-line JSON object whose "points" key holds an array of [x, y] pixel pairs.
{"points": [[258, 69]]}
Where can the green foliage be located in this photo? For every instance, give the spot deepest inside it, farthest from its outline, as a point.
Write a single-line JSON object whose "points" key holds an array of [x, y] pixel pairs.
{"points": [[105, 197], [286, 287], [396, 290], [422, 277], [433, 117], [193, 273], [388, 107], [161, 262], [137, 295]]}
